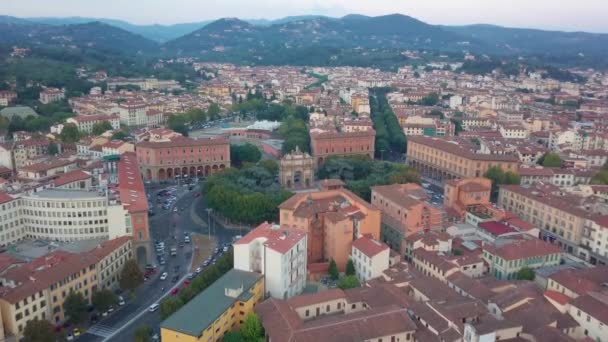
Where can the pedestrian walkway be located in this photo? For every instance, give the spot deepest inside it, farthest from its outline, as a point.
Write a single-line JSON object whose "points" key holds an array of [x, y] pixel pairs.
{"points": [[101, 330]]}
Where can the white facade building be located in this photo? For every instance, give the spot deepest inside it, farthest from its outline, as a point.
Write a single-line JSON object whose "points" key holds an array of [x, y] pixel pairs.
{"points": [[63, 215], [277, 253], [370, 258]]}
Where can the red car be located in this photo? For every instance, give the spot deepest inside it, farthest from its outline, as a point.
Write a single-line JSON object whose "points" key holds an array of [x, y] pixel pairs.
{"points": [[174, 291], [185, 283]]}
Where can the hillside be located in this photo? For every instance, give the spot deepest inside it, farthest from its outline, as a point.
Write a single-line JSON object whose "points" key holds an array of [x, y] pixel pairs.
{"points": [[391, 31], [95, 36]]}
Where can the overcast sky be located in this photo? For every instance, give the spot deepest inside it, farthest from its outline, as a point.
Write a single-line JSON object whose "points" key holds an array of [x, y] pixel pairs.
{"points": [[583, 15]]}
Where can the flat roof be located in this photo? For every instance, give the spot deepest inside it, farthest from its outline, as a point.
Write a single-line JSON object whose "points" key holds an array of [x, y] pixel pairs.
{"points": [[206, 307], [66, 194]]}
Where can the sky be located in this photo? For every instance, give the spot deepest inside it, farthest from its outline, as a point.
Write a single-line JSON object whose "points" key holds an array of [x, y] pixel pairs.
{"points": [[568, 15]]}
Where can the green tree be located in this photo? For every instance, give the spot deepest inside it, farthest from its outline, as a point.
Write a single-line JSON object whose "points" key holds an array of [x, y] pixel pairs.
{"points": [[348, 282], [240, 154], [39, 330], [101, 127], [131, 276], [233, 336], [178, 123], [551, 160], [251, 328], [52, 149], [120, 135], [69, 133], [143, 333], [526, 273], [169, 305], [350, 268], [214, 111], [333, 270], [75, 306], [430, 99], [103, 299], [196, 115], [270, 165]]}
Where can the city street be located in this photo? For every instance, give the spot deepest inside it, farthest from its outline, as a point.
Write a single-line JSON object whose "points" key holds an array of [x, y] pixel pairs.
{"points": [[164, 225]]}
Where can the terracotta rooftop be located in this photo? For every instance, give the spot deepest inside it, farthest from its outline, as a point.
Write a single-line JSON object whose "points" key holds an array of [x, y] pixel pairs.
{"points": [[496, 228], [130, 185], [274, 237], [183, 142], [70, 177], [369, 246]]}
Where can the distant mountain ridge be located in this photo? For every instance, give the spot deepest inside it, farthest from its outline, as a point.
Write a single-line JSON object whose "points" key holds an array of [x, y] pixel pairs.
{"points": [[294, 35]]}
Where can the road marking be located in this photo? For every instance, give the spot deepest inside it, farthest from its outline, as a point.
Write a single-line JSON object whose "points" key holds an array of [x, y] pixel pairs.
{"points": [[100, 330]]}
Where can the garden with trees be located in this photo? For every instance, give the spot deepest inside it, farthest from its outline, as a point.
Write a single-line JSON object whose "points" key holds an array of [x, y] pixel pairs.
{"points": [[389, 135], [360, 173]]}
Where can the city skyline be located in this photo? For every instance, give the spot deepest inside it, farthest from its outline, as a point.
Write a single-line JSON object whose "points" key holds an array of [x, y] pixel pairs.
{"points": [[541, 14]]}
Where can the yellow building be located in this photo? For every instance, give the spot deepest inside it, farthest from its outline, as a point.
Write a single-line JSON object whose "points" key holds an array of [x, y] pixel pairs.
{"points": [[38, 289], [221, 308], [441, 158]]}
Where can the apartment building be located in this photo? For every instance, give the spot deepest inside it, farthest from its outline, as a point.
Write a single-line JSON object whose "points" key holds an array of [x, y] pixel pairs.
{"points": [[333, 219], [506, 259], [23, 151], [559, 217], [133, 114], [405, 211], [327, 144], [574, 283], [6, 97], [370, 258], [49, 95], [12, 226], [441, 158], [38, 289], [594, 240], [227, 302], [181, 156], [462, 195], [589, 311], [85, 123], [277, 253], [336, 315]]}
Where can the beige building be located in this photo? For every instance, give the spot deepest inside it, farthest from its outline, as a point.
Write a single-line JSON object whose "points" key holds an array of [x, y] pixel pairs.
{"points": [[38, 289], [441, 158], [561, 220]]}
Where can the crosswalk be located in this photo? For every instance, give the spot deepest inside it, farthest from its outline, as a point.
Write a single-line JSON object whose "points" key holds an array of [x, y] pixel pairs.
{"points": [[101, 330]]}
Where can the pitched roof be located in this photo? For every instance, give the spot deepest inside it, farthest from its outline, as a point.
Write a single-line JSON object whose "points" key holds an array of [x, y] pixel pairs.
{"points": [[70, 177], [522, 249], [369, 246], [274, 237]]}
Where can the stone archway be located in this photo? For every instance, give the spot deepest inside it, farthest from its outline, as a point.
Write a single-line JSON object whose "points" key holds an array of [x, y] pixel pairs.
{"points": [[214, 169], [148, 174], [222, 167], [207, 170], [192, 171], [184, 171], [169, 173], [177, 172], [162, 175], [199, 171]]}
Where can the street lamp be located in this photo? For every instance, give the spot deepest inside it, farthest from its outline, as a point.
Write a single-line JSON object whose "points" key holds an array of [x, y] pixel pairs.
{"points": [[209, 210]]}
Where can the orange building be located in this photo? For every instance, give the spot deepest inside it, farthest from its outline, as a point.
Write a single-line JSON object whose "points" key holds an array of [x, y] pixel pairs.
{"points": [[449, 158], [332, 219], [462, 194], [327, 144], [405, 211]]}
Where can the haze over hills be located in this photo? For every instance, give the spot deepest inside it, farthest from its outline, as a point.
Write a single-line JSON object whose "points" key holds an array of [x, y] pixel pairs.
{"points": [[293, 35]]}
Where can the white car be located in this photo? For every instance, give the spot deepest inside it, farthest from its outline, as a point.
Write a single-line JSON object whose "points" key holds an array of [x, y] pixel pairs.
{"points": [[121, 301], [153, 307], [164, 276], [198, 270]]}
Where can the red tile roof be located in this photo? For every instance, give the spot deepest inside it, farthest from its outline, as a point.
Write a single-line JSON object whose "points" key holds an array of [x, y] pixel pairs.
{"points": [[130, 185], [496, 228], [595, 304], [369, 246], [276, 238], [4, 197], [558, 297], [70, 177]]}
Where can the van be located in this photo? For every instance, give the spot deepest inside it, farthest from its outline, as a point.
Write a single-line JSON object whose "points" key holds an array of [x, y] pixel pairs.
{"points": [[153, 307]]}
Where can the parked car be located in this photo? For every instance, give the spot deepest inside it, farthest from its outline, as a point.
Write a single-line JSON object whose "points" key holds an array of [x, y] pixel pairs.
{"points": [[121, 301], [175, 291], [198, 270], [153, 307], [164, 276], [76, 332]]}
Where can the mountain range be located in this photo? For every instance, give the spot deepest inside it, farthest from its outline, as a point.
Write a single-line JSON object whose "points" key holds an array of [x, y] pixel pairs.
{"points": [[300, 33]]}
